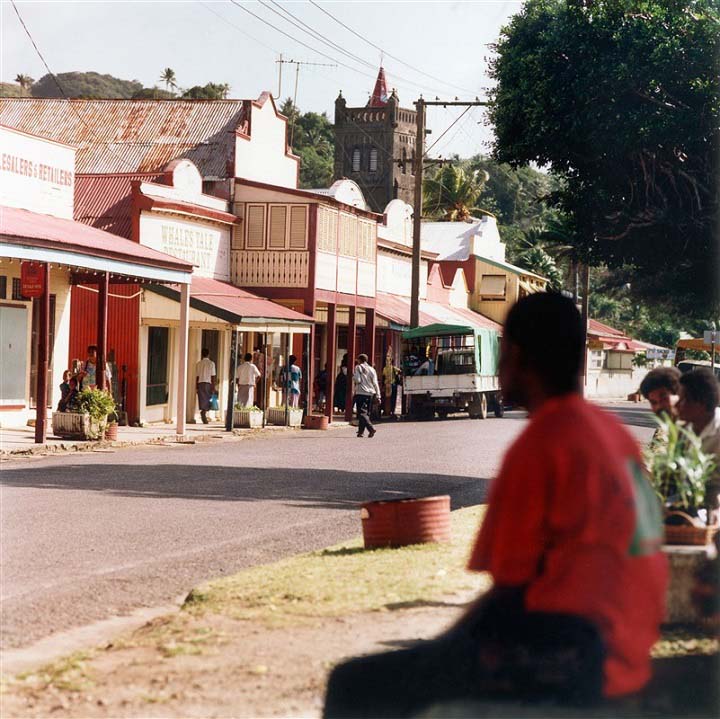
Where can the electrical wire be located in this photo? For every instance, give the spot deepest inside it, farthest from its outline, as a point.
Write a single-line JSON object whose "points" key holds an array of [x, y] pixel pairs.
{"points": [[239, 29], [452, 124], [64, 94], [382, 50]]}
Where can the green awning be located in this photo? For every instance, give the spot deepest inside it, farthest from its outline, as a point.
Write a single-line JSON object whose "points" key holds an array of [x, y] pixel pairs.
{"points": [[438, 330]]}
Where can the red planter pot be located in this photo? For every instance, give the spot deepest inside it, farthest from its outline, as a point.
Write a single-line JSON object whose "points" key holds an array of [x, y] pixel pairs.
{"points": [[399, 522], [316, 421]]}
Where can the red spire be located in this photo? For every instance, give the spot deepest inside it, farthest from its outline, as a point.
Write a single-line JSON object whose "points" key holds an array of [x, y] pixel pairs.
{"points": [[380, 94]]}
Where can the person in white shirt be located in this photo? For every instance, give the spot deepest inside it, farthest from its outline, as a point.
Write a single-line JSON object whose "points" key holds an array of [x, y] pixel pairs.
{"points": [[365, 383], [205, 378], [698, 406], [246, 376]]}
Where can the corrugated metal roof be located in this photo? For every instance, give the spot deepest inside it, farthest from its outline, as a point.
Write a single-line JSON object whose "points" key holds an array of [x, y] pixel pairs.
{"points": [[120, 136], [104, 201]]}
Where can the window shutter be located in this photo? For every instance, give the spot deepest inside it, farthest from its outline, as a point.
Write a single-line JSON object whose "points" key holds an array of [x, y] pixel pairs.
{"points": [[276, 229], [373, 159], [298, 223], [493, 286], [356, 160], [255, 227]]}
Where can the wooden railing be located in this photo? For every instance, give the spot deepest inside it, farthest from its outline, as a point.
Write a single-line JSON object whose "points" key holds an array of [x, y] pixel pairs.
{"points": [[269, 268]]}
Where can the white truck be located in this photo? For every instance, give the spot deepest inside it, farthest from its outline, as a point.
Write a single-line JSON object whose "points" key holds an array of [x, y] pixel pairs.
{"points": [[451, 368]]}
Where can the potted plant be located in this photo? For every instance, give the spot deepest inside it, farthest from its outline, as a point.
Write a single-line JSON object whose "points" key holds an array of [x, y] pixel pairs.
{"points": [[247, 416], [277, 415], [88, 417], [679, 471]]}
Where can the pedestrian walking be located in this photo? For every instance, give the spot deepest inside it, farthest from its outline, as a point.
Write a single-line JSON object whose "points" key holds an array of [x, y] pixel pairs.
{"points": [[365, 385], [571, 537], [205, 378], [246, 376], [293, 377]]}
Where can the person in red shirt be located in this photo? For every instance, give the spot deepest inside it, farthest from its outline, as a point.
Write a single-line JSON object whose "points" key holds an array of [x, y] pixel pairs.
{"points": [[572, 539]]}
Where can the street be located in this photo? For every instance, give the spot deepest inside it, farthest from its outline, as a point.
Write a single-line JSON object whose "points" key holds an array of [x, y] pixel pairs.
{"points": [[85, 537]]}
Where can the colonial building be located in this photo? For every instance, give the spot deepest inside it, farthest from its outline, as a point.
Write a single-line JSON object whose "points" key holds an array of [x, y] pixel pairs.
{"points": [[375, 146]]}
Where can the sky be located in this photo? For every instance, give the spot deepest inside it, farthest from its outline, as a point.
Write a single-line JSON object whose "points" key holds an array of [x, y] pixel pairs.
{"points": [[205, 41]]}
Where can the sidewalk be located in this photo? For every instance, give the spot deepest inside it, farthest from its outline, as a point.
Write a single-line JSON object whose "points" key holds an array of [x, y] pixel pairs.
{"points": [[21, 441]]}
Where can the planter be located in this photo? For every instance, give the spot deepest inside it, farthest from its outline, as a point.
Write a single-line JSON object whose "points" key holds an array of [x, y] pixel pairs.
{"points": [[77, 425], [687, 531], [251, 418], [111, 432], [276, 416], [316, 421], [399, 522]]}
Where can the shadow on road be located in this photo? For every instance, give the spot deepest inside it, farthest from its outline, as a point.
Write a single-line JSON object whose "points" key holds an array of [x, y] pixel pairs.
{"points": [[295, 487]]}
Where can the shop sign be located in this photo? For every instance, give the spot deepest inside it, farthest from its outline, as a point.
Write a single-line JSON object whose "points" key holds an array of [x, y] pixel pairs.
{"points": [[32, 279]]}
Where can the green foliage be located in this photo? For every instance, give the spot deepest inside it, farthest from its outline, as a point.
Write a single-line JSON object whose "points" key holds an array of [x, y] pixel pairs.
{"points": [[313, 140], [620, 100], [451, 193], [247, 408], [154, 93], [10, 89], [86, 85], [168, 77], [211, 91], [678, 467], [25, 82], [96, 402]]}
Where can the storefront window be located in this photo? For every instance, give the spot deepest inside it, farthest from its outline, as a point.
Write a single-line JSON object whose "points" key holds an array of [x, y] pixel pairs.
{"points": [[157, 366]]}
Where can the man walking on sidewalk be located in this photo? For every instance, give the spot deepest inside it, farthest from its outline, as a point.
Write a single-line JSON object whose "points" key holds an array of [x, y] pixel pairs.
{"points": [[205, 377], [366, 386]]}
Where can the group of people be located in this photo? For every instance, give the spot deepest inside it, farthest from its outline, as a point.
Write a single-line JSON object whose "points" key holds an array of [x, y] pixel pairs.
{"points": [[83, 377], [572, 539]]}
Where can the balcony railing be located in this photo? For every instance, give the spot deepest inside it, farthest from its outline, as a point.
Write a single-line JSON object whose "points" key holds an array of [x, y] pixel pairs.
{"points": [[269, 268]]}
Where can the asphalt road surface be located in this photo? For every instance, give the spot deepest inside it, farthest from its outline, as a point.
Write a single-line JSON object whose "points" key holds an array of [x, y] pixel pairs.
{"points": [[88, 536]]}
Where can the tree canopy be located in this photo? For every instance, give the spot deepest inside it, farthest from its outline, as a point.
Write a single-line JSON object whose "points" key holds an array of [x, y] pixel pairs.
{"points": [[85, 85], [210, 91], [620, 99]]}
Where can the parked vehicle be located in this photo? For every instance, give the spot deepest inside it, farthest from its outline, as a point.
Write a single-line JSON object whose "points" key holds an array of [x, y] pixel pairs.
{"points": [[451, 368]]}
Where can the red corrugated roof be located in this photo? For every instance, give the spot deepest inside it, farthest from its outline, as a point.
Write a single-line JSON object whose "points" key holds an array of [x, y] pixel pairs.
{"points": [[600, 328], [117, 136], [23, 226], [103, 201], [241, 303]]}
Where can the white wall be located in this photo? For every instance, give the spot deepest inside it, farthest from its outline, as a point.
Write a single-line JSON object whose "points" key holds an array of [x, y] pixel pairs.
{"points": [[614, 384], [394, 274], [263, 157]]}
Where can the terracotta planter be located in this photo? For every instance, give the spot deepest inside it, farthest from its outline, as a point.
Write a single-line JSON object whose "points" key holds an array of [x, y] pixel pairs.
{"points": [[399, 522], [252, 419], [276, 416], [77, 425], [688, 531], [111, 432], [316, 421]]}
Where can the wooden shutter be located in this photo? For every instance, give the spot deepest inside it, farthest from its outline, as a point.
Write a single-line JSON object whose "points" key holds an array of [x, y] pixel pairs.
{"points": [[298, 225], [277, 227], [255, 227]]}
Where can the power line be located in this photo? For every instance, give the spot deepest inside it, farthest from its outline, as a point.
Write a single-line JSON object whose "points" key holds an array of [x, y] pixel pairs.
{"points": [[449, 127], [64, 94], [377, 47], [239, 29]]}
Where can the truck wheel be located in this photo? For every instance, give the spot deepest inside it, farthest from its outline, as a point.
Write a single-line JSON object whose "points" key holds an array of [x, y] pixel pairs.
{"points": [[499, 407], [443, 413], [478, 409]]}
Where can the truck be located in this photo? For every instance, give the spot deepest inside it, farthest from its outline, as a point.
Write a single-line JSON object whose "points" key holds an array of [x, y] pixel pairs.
{"points": [[451, 368]]}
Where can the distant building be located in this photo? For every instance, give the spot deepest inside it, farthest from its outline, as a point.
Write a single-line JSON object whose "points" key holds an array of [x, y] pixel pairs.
{"points": [[375, 146]]}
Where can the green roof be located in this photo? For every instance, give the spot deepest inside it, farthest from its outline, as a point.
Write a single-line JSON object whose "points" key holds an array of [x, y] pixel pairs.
{"points": [[438, 330]]}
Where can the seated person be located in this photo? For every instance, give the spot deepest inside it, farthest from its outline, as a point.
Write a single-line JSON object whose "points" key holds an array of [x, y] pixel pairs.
{"points": [[426, 368], [572, 540], [68, 392]]}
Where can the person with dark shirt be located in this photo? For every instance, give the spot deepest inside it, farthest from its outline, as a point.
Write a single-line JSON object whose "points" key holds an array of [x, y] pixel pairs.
{"points": [[571, 538]]}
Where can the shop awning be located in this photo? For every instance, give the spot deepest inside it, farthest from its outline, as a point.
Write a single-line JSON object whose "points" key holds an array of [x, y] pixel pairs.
{"points": [[240, 307], [26, 235], [396, 309]]}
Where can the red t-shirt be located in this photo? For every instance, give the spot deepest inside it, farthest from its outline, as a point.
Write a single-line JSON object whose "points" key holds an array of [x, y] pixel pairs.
{"points": [[572, 517]]}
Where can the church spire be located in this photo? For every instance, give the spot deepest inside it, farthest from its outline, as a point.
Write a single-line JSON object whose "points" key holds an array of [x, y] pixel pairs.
{"points": [[380, 94]]}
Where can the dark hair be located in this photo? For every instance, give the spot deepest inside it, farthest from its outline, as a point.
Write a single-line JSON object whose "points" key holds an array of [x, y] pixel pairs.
{"points": [[548, 331], [205, 352], [661, 378], [92, 348], [248, 357], [362, 358], [701, 386], [293, 359]]}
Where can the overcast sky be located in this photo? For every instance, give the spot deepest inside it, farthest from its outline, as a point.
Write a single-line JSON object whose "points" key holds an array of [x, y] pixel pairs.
{"points": [[219, 42]]}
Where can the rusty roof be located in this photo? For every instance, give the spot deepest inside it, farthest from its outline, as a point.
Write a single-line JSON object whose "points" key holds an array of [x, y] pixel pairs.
{"points": [[135, 136]]}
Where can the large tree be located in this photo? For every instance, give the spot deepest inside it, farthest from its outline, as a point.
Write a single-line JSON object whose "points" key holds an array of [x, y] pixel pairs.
{"points": [[620, 99]]}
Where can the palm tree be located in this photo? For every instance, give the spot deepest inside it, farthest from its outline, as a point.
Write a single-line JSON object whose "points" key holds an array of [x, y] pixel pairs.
{"points": [[451, 194], [168, 77], [25, 82]]}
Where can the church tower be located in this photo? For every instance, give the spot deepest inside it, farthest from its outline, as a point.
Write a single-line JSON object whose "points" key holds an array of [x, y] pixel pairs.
{"points": [[375, 146]]}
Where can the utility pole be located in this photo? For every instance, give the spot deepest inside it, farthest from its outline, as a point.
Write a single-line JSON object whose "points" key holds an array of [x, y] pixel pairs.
{"points": [[297, 64], [585, 312], [420, 106]]}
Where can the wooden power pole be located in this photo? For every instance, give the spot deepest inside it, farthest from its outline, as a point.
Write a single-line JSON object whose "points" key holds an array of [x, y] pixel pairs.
{"points": [[420, 106]]}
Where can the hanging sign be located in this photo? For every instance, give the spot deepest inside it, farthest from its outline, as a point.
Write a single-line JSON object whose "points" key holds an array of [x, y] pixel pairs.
{"points": [[32, 279]]}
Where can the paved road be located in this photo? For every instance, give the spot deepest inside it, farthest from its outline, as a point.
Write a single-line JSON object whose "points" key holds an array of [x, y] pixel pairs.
{"points": [[88, 536]]}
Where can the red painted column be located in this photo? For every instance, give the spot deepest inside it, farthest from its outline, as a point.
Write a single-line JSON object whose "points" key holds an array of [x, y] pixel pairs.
{"points": [[42, 359], [102, 324], [310, 359], [352, 353], [331, 329]]}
